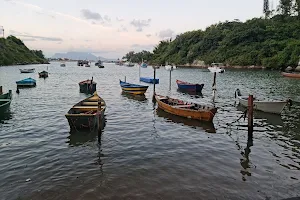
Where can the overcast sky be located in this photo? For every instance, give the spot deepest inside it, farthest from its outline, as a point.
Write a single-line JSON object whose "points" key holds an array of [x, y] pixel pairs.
{"points": [[110, 28]]}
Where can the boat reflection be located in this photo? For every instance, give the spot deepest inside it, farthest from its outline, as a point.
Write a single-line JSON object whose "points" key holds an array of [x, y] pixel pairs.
{"points": [[78, 138], [269, 118], [134, 97], [193, 93], [7, 115], [207, 126]]}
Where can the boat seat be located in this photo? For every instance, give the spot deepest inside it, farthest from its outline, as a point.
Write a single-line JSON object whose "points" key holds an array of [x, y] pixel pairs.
{"points": [[182, 106], [89, 103], [86, 107], [4, 99]]}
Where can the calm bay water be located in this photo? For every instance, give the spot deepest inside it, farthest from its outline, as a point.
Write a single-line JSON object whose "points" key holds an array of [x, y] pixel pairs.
{"points": [[144, 153]]}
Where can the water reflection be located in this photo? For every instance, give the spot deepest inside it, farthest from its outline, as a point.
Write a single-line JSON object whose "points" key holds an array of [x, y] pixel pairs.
{"points": [[245, 161], [78, 138], [134, 97], [207, 126], [7, 115], [193, 93]]}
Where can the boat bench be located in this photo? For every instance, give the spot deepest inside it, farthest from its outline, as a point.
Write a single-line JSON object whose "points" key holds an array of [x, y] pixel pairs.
{"points": [[86, 107], [4, 99], [182, 106], [92, 103]]}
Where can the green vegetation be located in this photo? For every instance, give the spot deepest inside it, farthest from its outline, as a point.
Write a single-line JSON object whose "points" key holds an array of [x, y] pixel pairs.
{"points": [[13, 51], [137, 57], [272, 41]]}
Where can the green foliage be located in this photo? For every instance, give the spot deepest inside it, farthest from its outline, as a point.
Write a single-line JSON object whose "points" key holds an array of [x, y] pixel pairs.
{"points": [[138, 57], [13, 51], [273, 43]]}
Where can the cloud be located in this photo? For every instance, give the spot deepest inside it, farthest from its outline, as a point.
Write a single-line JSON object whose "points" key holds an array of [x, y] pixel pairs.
{"points": [[29, 37], [148, 35], [119, 19], [140, 24], [123, 29], [107, 18], [87, 14], [166, 33]]}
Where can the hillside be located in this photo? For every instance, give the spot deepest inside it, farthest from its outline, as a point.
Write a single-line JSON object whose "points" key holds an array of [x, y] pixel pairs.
{"points": [[77, 56], [14, 52], [272, 43]]}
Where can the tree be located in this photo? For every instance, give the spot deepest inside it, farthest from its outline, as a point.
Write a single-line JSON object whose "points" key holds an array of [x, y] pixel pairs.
{"points": [[285, 7], [266, 9], [297, 8]]}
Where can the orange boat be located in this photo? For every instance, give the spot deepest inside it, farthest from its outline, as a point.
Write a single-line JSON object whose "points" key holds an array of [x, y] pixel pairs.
{"points": [[290, 75], [185, 109]]}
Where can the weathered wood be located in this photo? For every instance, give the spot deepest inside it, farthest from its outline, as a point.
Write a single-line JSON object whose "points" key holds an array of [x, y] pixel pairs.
{"points": [[1, 92], [250, 115]]}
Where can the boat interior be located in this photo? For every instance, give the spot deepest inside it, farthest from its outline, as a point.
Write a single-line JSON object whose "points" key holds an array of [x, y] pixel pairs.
{"points": [[176, 103]]}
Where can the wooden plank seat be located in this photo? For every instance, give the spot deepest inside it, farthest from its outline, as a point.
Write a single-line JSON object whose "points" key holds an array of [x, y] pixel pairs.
{"points": [[4, 100], [182, 106], [86, 107], [89, 103]]}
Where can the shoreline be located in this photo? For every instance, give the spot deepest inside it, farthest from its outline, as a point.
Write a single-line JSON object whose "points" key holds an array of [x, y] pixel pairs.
{"points": [[223, 67], [25, 64]]}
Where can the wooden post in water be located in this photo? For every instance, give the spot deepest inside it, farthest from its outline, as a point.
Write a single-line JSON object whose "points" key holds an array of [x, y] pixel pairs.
{"points": [[125, 79], [1, 92], [99, 113], [154, 76], [250, 115], [170, 78], [214, 86]]}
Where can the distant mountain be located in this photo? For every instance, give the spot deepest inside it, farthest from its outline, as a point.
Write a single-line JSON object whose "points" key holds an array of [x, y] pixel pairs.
{"points": [[78, 56]]}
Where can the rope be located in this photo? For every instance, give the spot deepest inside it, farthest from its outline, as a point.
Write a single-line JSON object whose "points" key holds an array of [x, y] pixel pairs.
{"points": [[242, 116]]}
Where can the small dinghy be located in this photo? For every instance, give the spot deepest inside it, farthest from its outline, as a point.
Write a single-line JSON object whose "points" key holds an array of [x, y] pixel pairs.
{"points": [[28, 82], [5, 100], [185, 86], [275, 107], [87, 86], [133, 88], [186, 109], [87, 114], [43, 74], [27, 70]]}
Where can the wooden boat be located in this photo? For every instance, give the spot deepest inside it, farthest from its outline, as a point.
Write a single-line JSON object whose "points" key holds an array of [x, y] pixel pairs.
{"points": [[275, 107], [129, 64], [27, 70], [62, 64], [87, 114], [215, 67], [87, 65], [290, 75], [5, 100], [43, 74], [185, 109], [99, 64], [189, 86], [87, 86], [133, 88], [149, 80], [28, 82]]}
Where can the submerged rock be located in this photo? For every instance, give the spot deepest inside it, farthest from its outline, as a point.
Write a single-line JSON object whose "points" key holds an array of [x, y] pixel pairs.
{"points": [[288, 69]]}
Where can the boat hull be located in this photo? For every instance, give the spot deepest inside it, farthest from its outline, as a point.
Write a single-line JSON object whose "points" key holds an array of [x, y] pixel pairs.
{"points": [[203, 115], [189, 87], [290, 75], [149, 80], [5, 100], [43, 74], [133, 88], [27, 70], [274, 107], [87, 86]]}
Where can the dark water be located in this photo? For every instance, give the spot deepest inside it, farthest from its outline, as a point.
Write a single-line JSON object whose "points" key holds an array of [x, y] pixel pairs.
{"points": [[144, 153]]}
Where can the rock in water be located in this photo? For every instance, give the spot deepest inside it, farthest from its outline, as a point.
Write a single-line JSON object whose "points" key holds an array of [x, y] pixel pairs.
{"points": [[297, 69], [288, 69]]}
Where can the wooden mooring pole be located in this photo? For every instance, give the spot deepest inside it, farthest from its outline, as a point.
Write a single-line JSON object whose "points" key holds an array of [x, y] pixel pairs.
{"points": [[1, 92], [154, 81], [214, 86], [170, 78], [250, 115]]}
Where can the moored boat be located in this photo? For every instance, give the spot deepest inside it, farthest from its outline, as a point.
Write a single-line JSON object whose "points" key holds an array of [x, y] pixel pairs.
{"points": [[87, 86], [99, 64], [28, 82], [87, 65], [87, 114], [5, 100], [275, 107], [62, 64], [27, 70], [149, 80], [133, 88], [290, 75], [182, 85], [185, 109], [216, 67], [43, 74]]}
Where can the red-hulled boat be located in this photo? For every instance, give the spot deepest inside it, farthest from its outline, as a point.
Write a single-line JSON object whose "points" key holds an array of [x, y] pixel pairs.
{"points": [[290, 75]]}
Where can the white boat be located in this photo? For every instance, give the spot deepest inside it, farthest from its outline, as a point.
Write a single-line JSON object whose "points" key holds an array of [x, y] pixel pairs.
{"points": [[62, 64], [275, 107], [129, 64], [215, 67], [27, 70], [170, 67]]}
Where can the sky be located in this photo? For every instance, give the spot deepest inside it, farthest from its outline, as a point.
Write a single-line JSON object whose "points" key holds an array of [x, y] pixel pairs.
{"points": [[112, 28]]}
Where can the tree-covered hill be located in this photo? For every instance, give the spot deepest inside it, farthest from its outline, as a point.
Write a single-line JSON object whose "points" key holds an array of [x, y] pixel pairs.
{"points": [[272, 41], [13, 51]]}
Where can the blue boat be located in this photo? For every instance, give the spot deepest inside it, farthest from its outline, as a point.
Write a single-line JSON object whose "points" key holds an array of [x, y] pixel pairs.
{"points": [[28, 82], [149, 80], [190, 87], [144, 65], [133, 88]]}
